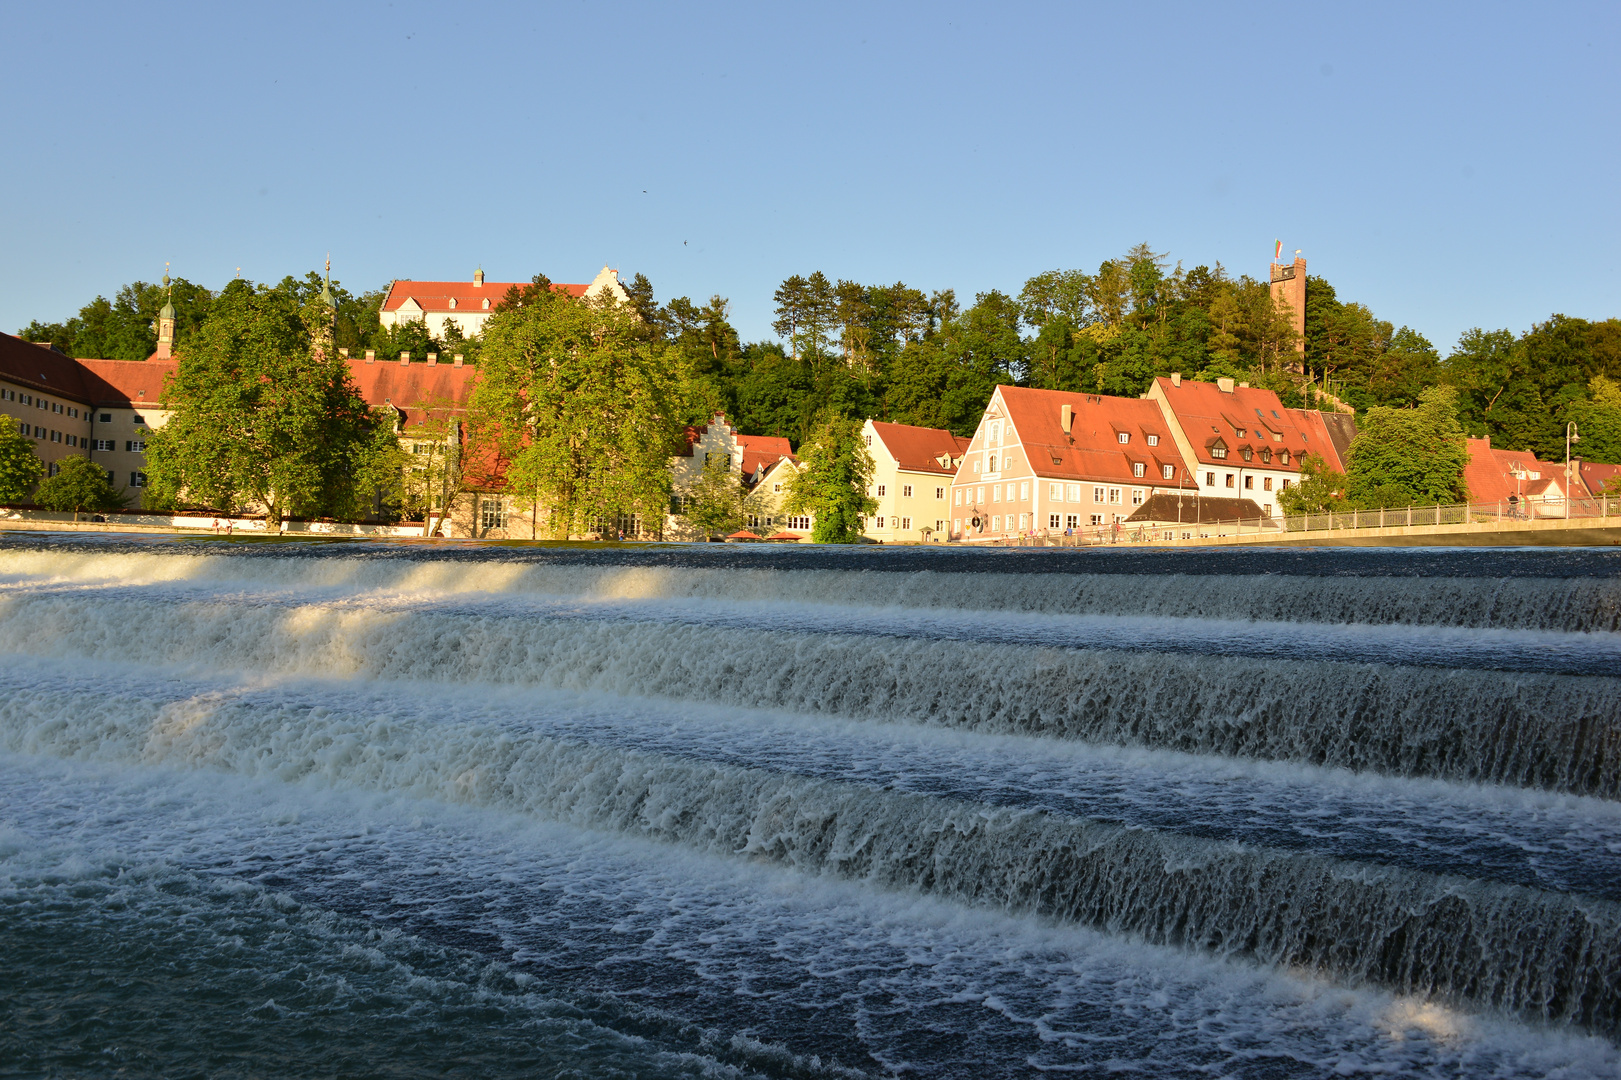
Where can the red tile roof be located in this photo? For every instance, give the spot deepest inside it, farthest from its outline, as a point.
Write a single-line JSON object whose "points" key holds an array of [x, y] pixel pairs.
{"points": [[919, 449], [1209, 416], [437, 295], [1491, 477], [762, 450], [1594, 475], [42, 368], [126, 382], [418, 391], [1092, 449]]}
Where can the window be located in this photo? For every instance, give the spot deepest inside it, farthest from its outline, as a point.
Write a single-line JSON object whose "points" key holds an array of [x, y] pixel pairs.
{"points": [[1209, 479], [1024, 490], [102, 444], [1266, 508], [1249, 483], [1097, 495], [1114, 496], [56, 436], [996, 523], [1283, 457], [867, 439], [976, 465], [137, 419], [979, 495], [1097, 519], [776, 489], [73, 440], [1123, 436], [1072, 493], [880, 491], [491, 512], [137, 479], [878, 522], [1153, 440], [990, 463], [956, 525], [1055, 492], [1285, 483], [106, 418], [1266, 483], [1052, 521], [939, 526], [1138, 468], [801, 521], [906, 523], [1136, 496], [1218, 452], [940, 493], [1167, 472], [956, 497], [1266, 454], [73, 413], [906, 491], [1024, 521], [1072, 521], [996, 493], [1246, 453], [1229, 479], [135, 446]]}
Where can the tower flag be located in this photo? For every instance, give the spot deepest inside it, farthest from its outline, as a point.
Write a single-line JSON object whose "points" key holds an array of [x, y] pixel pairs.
{"points": [[1277, 252]]}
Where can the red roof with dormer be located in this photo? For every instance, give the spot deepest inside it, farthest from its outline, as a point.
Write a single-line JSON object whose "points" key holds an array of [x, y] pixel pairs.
{"points": [[1595, 475], [762, 451], [419, 392], [1245, 417], [922, 449], [464, 296], [1091, 449], [1495, 475], [42, 368], [126, 382]]}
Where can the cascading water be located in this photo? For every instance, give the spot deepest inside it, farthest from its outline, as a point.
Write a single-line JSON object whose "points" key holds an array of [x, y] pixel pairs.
{"points": [[698, 811]]}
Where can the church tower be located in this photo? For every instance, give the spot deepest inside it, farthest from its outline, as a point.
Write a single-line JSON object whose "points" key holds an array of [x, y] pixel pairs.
{"points": [[321, 336], [166, 323]]}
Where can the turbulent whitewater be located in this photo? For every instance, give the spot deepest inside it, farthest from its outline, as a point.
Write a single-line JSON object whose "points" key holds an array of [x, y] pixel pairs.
{"points": [[744, 812]]}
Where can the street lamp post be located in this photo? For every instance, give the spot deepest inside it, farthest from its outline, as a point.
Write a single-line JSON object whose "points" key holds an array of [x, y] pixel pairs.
{"points": [[1571, 436]]}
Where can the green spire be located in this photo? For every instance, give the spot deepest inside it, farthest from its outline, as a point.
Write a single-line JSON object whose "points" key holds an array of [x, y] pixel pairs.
{"points": [[167, 311], [326, 285]]}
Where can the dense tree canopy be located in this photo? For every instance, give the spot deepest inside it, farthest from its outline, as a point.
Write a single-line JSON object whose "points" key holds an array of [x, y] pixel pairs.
{"points": [[832, 486], [579, 408], [20, 466], [79, 486], [264, 414]]}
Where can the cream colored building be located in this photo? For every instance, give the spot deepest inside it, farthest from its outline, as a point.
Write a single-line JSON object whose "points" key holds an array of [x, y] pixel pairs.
{"points": [[911, 481], [467, 305]]}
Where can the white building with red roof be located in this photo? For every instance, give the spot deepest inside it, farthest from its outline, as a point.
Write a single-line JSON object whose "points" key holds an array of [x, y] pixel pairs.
{"points": [[1522, 485], [911, 481], [1050, 461], [1241, 442], [439, 304]]}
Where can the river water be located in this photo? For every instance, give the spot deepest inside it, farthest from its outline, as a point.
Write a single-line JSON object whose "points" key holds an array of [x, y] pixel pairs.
{"points": [[364, 810]]}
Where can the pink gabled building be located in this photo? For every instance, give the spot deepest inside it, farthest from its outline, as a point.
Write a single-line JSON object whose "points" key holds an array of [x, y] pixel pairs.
{"points": [[1047, 461]]}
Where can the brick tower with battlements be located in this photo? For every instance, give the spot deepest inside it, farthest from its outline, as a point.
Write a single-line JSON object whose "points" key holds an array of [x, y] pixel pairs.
{"points": [[1289, 285]]}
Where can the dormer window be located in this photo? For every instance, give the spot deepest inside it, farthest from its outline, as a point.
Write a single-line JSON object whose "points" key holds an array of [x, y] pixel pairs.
{"points": [[1124, 437], [1283, 457], [452, 303], [1241, 434], [1218, 452], [1153, 440], [1138, 468], [1167, 471], [1246, 453], [486, 303], [1266, 454]]}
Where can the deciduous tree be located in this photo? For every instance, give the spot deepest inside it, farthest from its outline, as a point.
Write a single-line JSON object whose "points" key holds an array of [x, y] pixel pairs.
{"points": [[79, 486], [20, 466], [1410, 456], [832, 486]]}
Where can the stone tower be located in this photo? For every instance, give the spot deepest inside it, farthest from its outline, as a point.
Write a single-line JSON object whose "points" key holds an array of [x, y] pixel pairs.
{"points": [[1289, 285], [166, 323]]}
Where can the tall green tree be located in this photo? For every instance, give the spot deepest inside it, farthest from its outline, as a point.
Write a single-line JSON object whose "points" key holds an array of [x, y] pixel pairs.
{"points": [[80, 486], [264, 414], [1320, 488], [715, 506], [1410, 456], [832, 486], [20, 466], [580, 407], [1598, 417]]}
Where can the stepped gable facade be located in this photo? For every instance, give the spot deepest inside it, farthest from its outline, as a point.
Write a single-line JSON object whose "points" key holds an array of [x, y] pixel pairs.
{"points": [[467, 304], [1050, 461], [912, 472], [1241, 442]]}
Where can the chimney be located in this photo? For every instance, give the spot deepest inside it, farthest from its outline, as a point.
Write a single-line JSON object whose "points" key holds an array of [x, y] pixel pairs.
{"points": [[458, 360], [371, 356], [344, 353], [478, 278], [1225, 385], [1176, 378], [433, 358], [1066, 416], [405, 357]]}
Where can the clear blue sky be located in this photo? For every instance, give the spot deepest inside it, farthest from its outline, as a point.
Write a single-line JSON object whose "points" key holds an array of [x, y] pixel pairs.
{"points": [[1450, 166]]}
